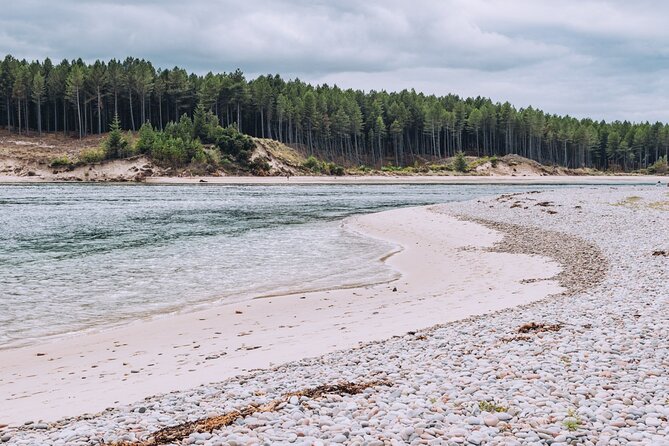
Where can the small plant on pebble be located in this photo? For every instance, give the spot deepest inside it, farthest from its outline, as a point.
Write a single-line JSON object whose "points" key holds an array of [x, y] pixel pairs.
{"points": [[572, 424], [573, 421], [492, 407]]}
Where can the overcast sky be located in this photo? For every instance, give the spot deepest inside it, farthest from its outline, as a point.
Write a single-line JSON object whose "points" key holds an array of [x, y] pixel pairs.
{"points": [[602, 59]]}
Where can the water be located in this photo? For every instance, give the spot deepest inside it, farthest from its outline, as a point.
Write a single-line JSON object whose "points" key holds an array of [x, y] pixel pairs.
{"points": [[74, 257]]}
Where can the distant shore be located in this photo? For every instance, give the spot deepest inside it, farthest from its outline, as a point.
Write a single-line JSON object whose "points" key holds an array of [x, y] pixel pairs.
{"points": [[371, 179], [416, 179]]}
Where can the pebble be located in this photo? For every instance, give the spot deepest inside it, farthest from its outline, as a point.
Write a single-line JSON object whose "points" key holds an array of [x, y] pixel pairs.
{"points": [[473, 420], [491, 420]]}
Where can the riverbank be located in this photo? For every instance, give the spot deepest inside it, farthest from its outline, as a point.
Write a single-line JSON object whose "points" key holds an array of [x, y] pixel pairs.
{"points": [[586, 366], [437, 284], [354, 180], [135, 171], [139, 169], [418, 179]]}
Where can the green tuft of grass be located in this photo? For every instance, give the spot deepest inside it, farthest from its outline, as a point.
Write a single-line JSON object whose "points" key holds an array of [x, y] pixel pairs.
{"points": [[572, 424], [491, 406], [61, 161], [90, 156], [573, 421]]}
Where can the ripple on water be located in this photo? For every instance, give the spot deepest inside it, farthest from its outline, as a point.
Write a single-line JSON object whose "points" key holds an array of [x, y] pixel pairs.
{"points": [[79, 256]]}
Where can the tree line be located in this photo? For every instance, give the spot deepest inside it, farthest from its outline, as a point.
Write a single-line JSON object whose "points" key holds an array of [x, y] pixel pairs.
{"points": [[375, 128]]}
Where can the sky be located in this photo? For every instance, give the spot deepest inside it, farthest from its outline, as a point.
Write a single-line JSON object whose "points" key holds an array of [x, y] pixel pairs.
{"points": [[599, 59]]}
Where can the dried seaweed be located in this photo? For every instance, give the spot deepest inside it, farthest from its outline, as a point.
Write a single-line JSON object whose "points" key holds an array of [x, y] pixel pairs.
{"points": [[177, 433], [534, 327]]}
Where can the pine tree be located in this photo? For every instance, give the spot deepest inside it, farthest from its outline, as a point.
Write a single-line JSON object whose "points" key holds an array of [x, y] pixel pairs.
{"points": [[7, 76], [38, 90], [350, 126], [97, 81], [460, 162], [75, 85], [116, 145]]}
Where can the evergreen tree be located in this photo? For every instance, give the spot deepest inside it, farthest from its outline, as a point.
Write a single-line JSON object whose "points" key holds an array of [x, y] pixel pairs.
{"points": [[74, 87], [38, 90], [116, 145], [460, 163], [97, 81], [347, 126]]}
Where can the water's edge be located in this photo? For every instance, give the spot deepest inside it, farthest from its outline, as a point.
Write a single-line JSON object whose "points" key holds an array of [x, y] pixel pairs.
{"points": [[96, 257]]}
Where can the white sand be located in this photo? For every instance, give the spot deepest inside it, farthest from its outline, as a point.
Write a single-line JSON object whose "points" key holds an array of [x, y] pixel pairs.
{"points": [[439, 283], [418, 179]]}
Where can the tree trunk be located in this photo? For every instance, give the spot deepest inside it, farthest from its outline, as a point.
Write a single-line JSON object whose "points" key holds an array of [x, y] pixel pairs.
{"points": [[39, 116], [79, 113], [26, 116], [478, 152], [160, 111], [19, 110], [55, 116], [85, 129], [143, 109], [132, 116], [239, 118], [565, 153], [99, 113], [262, 122], [9, 113]]}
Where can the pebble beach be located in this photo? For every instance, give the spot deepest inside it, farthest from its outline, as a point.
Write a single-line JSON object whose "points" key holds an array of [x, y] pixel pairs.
{"points": [[588, 366]]}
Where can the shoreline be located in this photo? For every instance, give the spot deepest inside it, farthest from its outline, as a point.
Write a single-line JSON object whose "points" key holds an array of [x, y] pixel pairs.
{"points": [[588, 363], [417, 179], [188, 309], [372, 180], [124, 364]]}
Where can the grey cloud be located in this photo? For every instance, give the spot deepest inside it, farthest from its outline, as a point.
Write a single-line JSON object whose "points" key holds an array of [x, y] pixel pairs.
{"points": [[605, 59]]}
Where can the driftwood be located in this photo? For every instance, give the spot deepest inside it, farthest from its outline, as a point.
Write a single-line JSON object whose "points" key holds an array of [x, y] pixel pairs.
{"points": [[534, 327], [177, 433]]}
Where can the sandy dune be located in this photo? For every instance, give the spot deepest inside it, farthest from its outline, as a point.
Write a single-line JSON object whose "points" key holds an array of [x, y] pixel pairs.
{"points": [[440, 282]]}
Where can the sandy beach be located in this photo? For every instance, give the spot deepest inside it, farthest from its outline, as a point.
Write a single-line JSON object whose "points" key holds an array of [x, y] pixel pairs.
{"points": [[435, 254]]}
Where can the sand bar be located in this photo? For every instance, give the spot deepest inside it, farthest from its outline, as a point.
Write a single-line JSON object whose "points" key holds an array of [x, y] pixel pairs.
{"points": [[440, 282]]}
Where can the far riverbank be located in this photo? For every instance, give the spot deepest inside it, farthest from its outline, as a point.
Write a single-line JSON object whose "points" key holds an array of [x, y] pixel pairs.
{"points": [[416, 179]]}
